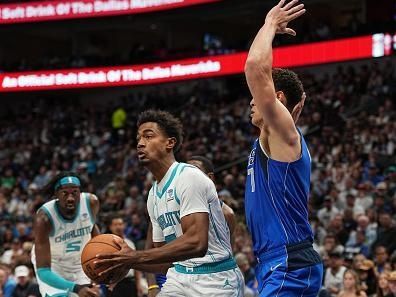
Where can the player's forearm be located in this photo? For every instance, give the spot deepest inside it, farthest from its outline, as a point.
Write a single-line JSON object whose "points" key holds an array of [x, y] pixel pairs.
{"points": [[183, 248], [151, 279], [260, 53], [153, 268]]}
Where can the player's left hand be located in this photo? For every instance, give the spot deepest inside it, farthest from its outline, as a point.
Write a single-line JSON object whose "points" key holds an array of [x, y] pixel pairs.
{"points": [[125, 258]]}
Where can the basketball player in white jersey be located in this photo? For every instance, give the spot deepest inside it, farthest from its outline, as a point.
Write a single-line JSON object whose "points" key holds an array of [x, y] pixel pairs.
{"points": [[62, 227], [190, 234]]}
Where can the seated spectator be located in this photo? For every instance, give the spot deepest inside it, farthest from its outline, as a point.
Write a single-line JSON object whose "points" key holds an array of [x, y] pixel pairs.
{"points": [[367, 277], [7, 283], [351, 285], [25, 287], [383, 285], [334, 274], [381, 257], [392, 284]]}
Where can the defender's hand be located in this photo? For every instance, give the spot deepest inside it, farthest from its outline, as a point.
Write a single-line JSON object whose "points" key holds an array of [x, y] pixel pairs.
{"points": [[279, 16]]}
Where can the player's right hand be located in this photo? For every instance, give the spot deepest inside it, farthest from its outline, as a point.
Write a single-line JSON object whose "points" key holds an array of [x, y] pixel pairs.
{"points": [[89, 292], [280, 15]]}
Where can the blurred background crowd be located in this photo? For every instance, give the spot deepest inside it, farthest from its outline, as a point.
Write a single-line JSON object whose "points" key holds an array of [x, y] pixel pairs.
{"points": [[349, 121]]}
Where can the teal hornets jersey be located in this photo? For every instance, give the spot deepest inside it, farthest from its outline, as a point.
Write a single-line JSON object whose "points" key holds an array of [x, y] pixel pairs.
{"points": [[68, 238], [185, 190]]}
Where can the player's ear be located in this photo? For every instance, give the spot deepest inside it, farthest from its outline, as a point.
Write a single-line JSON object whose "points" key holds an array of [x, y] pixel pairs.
{"points": [[171, 143], [281, 97]]}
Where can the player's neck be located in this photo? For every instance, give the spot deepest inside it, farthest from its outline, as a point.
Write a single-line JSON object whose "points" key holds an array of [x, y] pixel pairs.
{"points": [[160, 168]]}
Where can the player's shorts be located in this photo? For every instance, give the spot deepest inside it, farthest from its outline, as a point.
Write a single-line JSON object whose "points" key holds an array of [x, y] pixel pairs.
{"points": [[160, 279], [198, 282], [290, 271]]}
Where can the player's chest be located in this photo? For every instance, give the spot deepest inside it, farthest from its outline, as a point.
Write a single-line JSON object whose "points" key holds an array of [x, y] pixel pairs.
{"points": [[167, 209]]}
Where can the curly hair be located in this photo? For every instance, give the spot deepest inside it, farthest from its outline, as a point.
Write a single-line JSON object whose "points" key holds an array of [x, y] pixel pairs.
{"points": [[288, 82], [169, 124]]}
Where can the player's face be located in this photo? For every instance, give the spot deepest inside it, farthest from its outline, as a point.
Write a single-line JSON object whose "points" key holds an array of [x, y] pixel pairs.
{"points": [[69, 198], [256, 116], [152, 144]]}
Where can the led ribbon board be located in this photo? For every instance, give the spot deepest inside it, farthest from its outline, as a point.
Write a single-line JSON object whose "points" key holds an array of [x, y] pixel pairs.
{"points": [[376, 45]]}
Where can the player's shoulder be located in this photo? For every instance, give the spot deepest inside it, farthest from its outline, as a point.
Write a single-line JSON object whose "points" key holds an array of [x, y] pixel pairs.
{"points": [[188, 171]]}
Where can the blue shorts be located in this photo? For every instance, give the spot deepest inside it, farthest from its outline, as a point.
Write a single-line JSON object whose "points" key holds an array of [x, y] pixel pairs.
{"points": [[290, 271], [161, 279]]}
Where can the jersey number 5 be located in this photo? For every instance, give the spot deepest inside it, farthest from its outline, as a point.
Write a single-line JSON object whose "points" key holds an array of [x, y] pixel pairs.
{"points": [[250, 173], [74, 246]]}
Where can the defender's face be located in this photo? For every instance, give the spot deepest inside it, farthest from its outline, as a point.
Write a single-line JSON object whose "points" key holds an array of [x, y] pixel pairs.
{"points": [[69, 198], [255, 115], [151, 143]]}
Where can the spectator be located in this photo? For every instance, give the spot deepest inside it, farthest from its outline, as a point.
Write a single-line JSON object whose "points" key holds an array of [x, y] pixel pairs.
{"points": [[7, 284], [334, 274], [367, 277], [328, 212], [381, 257], [15, 251], [386, 232], [25, 287], [351, 286], [392, 284], [383, 285]]}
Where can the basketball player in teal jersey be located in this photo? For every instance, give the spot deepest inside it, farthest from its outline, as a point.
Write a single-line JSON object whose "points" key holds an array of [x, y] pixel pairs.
{"points": [[279, 168], [155, 282], [62, 227], [190, 234]]}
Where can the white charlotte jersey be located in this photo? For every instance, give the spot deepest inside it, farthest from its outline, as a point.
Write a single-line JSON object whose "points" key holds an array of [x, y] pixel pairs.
{"points": [[185, 190], [68, 238]]}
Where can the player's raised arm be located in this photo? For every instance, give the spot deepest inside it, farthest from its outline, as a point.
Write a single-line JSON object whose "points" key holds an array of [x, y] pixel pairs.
{"points": [[258, 69]]}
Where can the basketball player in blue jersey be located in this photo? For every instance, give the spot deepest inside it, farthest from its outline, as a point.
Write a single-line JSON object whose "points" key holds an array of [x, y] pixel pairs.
{"points": [[190, 233], [278, 172], [62, 227]]}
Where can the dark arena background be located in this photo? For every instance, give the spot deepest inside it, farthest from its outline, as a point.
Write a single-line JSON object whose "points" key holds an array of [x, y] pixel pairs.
{"points": [[75, 75]]}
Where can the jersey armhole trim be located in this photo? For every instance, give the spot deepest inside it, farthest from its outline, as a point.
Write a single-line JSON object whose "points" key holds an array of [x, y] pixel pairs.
{"points": [[47, 213], [88, 203]]}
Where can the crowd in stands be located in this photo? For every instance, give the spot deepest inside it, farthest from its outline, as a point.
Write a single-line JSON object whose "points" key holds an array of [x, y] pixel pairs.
{"points": [[349, 123]]}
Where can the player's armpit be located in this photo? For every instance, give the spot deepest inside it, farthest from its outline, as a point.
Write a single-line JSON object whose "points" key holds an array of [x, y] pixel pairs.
{"points": [[94, 203]]}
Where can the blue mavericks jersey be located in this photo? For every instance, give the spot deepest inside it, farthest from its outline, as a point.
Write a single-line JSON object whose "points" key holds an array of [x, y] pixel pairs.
{"points": [[276, 200]]}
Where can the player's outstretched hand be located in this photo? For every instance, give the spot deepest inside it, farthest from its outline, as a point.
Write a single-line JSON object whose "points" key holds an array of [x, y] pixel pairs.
{"points": [[122, 259], [280, 15]]}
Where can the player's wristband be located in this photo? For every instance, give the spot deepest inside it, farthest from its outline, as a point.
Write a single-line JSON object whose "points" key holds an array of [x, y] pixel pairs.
{"points": [[153, 287]]}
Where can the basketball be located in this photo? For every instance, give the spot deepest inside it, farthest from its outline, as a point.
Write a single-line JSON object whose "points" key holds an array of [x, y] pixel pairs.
{"points": [[103, 243]]}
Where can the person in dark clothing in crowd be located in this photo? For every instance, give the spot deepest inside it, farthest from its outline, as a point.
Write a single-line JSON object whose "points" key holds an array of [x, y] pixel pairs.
{"points": [[25, 287]]}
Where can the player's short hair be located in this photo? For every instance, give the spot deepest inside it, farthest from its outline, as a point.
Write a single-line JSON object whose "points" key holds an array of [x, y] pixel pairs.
{"points": [[167, 122], [288, 82], [206, 163], [49, 188]]}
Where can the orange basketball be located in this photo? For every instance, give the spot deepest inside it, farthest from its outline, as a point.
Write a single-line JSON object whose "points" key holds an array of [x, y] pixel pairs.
{"points": [[103, 243]]}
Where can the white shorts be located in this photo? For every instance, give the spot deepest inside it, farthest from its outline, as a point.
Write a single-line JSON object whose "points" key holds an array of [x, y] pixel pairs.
{"points": [[229, 283]]}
